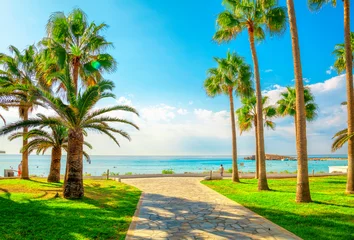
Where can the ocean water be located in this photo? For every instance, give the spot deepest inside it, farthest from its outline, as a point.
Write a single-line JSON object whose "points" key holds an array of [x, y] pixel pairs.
{"points": [[39, 164]]}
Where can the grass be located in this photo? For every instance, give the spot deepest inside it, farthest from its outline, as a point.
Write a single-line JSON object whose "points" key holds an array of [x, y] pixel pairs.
{"points": [[329, 216], [30, 210]]}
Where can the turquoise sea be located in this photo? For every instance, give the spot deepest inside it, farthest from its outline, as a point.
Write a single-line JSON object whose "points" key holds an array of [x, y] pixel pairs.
{"points": [[39, 165]]}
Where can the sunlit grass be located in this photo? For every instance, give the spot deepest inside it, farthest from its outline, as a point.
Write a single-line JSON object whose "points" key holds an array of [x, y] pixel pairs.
{"points": [[330, 216], [30, 210]]}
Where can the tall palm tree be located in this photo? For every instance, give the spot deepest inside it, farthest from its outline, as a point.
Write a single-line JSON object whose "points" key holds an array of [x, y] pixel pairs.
{"points": [[17, 78], [41, 140], [231, 76], [73, 40], [257, 17], [247, 118], [78, 116], [316, 5]]}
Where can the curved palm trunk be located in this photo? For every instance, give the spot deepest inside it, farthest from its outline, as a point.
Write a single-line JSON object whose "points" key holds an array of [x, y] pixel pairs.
{"points": [[54, 174], [350, 97], [235, 177], [256, 154], [303, 187], [73, 186], [25, 171], [262, 179]]}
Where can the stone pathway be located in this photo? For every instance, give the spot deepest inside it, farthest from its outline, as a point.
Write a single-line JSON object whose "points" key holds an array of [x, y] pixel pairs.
{"points": [[183, 208]]}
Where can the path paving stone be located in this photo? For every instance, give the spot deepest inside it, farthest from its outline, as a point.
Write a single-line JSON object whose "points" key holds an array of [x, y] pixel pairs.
{"points": [[183, 208]]}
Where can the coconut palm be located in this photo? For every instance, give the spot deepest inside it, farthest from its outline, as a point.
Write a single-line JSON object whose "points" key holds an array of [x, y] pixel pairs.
{"points": [[78, 116], [247, 118], [257, 17], [348, 62], [17, 78], [231, 76], [72, 40], [41, 140]]}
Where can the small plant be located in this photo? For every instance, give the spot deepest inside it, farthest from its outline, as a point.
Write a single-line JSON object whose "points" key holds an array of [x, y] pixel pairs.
{"points": [[168, 171], [128, 173], [113, 173], [285, 171], [229, 170], [86, 174]]}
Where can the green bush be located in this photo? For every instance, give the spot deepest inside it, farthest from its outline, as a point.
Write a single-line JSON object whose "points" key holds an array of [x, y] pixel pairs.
{"points": [[229, 170], [128, 173], [168, 171]]}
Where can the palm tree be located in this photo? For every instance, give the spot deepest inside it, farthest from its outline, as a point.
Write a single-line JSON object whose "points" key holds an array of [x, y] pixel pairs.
{"points": [[78, 116], [257, 17], [247, 118], [316, 5], [231, 76], [17, 78], [339, 52], [287, 104], [72, 40], [3, 106], [41, 141]]}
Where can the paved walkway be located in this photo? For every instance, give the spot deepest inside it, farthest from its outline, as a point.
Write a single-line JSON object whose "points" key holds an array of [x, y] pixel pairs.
{"points": [[182, 208]]}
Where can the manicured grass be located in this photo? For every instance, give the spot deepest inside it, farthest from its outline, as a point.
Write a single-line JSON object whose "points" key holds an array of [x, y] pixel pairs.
{"points": [[330, 216], [30, 210]]}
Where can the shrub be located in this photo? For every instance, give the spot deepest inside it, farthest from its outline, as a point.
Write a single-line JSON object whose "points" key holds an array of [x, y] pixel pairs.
{"points": [[128, 173], [168, 171]]}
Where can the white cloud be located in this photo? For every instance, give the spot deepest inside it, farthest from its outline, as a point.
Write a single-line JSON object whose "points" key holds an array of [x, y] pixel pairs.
{"points": [[161, 112], [330, 70], [268, 70], [124, 101], [182, 111], [190, 102]]}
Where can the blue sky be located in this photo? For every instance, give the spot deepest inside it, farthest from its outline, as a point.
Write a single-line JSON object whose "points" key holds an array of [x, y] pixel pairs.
{"points": [[164, 49]]}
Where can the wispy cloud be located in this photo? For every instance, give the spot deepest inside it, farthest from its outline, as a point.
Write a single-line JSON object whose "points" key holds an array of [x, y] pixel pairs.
{"points": [[330, 70], [268, 70]]}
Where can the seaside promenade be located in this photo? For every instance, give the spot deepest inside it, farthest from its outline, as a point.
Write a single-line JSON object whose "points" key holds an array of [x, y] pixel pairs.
{"points": [[183, 208]]}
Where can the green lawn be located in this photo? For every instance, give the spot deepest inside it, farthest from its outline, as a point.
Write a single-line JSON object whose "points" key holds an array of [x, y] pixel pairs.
{"points": [[29, 210], [330, 216]]}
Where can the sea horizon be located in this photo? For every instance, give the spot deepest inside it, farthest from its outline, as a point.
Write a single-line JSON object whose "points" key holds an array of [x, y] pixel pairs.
{"points": [[154, 164]]}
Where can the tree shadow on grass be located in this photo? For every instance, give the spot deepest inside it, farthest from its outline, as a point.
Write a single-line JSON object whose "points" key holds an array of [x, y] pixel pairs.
{"points": [[58, 218]]}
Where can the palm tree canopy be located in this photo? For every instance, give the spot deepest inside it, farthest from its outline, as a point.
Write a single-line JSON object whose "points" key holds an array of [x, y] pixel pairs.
{"points": [[258, 17], [339, 53], [316, 5], [232, 73], [247, 113], [73, 40], [287, 104], [18, 79], [78, 113]]}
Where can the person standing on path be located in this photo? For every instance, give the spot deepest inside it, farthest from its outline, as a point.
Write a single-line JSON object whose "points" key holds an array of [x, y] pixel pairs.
{"points": [[221, 170], [19, 170]]}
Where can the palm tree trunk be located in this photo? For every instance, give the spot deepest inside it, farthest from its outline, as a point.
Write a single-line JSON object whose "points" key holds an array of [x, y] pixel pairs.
{"points": [[262, 180], [73, 187], [303, 187], [256, 155], [25, 171], [235, 177], [54, 174], [76, 64], [350, 97]]}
